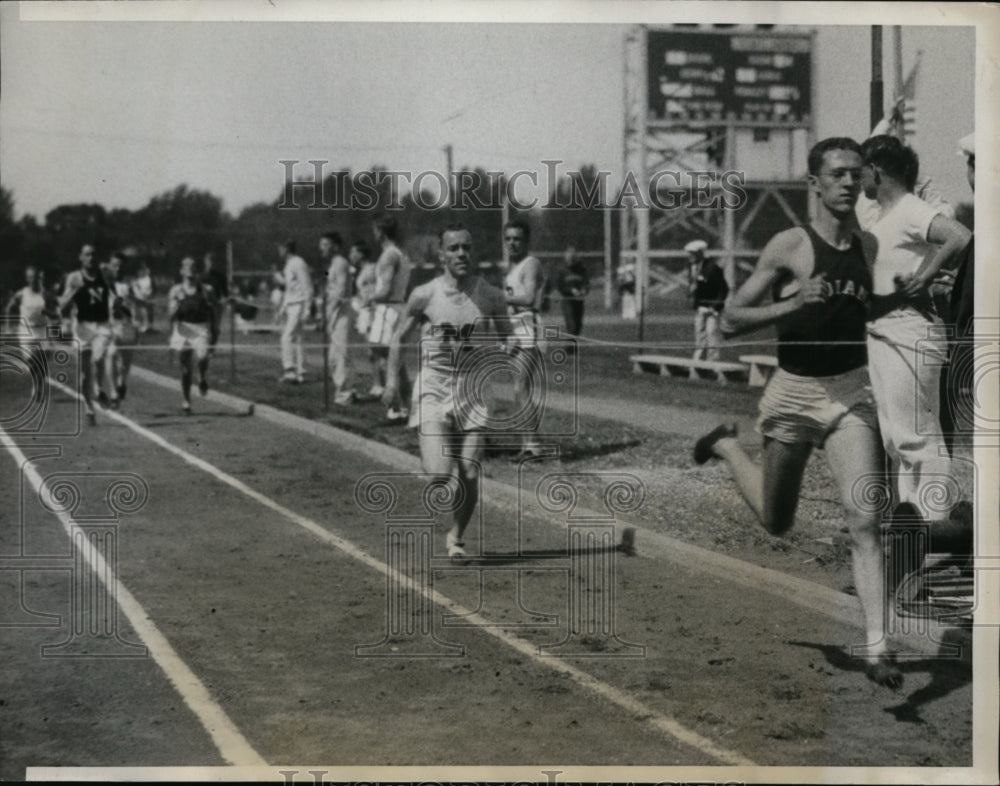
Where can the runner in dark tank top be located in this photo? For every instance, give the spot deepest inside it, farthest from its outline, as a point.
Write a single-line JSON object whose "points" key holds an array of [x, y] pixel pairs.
{"points": [[817, 282], [827, 338]]}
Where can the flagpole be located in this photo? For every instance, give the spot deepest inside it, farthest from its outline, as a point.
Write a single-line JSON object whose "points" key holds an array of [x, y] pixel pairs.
{"points": [[876, 103], [897, 48]]}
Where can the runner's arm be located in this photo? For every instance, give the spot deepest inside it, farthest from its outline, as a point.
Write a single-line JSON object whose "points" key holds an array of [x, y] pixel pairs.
{"points": [[743, 310], [51, 306], [414, 313], [172, 305], [336, 288], [383, 282], [213, 321], [73, 285], [13, 305]]}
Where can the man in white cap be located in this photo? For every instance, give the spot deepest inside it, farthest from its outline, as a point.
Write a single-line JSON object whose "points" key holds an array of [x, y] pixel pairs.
{"points": [[709, 290]]}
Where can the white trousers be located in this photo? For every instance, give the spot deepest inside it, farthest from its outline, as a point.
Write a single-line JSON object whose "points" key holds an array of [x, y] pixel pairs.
{"points": [[629, 306], [905, 359], [339, 329], [707, 335], [292, 357]]}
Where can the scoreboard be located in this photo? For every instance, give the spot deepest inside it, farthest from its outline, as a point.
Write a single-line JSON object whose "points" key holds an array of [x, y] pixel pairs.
{"points": [[750, 77]]}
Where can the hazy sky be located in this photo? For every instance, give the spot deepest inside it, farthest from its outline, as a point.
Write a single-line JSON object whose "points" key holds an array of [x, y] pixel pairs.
{"points": [[116, 111]]}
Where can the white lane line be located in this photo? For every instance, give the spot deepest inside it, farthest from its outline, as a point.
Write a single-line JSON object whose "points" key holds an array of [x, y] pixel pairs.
{"points": [[837, 606], [641, 713], [232, 745]]}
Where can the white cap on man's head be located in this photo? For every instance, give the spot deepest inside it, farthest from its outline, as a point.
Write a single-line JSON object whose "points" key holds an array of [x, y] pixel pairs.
{"points": [[696, 247], [967, 145]]}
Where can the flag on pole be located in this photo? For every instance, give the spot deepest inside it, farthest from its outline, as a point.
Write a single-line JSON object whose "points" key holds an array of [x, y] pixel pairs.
{"points": [[909, 91], [905, 113]]}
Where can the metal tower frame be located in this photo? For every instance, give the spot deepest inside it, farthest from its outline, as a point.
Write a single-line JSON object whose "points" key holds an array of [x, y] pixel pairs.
{"points": [[652, 145]]}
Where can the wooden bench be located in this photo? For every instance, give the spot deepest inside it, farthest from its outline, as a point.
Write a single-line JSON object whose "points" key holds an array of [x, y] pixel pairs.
{"points": [[761, 368], [671, 366]]}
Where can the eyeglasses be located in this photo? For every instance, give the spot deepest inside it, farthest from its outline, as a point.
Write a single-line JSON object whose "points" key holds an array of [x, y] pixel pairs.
{"points": [[840, 174]]}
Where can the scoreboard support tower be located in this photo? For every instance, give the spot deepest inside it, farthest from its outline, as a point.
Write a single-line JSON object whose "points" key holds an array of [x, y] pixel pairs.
{"points": [[698, 101]]}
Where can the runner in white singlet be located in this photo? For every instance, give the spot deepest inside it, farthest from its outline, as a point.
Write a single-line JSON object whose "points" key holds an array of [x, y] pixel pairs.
{"points": [[463, 321], [524, 288]]}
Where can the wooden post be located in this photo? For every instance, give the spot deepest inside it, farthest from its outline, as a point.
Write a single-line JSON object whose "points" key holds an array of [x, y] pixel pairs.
{"points": [[729, 216], [230, 272], [504, 218], [608, 262], [325, 348], [642, 264]]}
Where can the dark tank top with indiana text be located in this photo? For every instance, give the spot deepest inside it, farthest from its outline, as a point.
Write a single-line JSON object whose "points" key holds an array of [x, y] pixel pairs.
{"points": [[823, 339]]}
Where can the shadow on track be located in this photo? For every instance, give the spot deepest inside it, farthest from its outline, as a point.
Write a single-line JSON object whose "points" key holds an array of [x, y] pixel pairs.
{"points": [[947, 675]]}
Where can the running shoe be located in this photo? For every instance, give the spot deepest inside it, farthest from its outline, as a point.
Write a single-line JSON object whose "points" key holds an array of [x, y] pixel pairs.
{"points": [[525, 454], [456, 547], [884, 670], [376, 391], [397, 415], [102, 399], [703, 447], [290, 377]]}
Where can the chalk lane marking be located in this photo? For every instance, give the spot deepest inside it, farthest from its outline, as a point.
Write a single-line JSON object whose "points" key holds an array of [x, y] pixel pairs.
{"points": [[232, 745], [659, 721], [837, 606]]}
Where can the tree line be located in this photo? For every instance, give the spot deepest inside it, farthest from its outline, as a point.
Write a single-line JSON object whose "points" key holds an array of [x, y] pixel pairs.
{"points": [[184, 221]]}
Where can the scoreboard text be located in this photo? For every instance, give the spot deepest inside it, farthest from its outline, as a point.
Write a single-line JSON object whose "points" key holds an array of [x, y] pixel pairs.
{"points": [[750, 77]]}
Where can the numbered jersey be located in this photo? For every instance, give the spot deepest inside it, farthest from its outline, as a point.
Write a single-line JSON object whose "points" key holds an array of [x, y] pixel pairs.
{"points": [[453, 320], [92, 297]]}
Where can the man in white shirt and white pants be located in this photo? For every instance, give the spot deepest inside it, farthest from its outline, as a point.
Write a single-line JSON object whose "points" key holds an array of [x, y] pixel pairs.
{"points": [[908, 243], [293, 309]]}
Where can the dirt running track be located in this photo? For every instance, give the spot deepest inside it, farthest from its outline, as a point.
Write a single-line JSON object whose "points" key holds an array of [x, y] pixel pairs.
{"points": [[264, 590]]}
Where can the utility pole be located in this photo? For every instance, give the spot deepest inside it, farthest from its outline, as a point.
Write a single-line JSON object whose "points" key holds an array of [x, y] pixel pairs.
{"points": [[230, 273], [448, 155], [877, 103]]}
